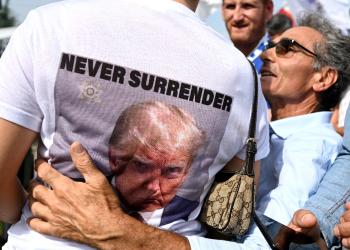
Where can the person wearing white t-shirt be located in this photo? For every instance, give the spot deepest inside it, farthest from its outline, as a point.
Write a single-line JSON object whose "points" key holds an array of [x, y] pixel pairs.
{"points": [[73, 67]]}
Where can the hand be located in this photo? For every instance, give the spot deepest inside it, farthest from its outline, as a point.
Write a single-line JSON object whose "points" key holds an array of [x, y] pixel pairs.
{"points": [[89, 212], [306, 226], [74, 210], [343, 229], [284, 237]]}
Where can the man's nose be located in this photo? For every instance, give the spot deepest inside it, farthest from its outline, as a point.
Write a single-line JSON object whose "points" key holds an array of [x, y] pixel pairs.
{"points": [[238, 15], [268, 55], [153, 185]]}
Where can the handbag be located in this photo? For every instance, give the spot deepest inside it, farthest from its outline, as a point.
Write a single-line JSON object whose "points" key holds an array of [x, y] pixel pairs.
{"points": [[229, 205]]}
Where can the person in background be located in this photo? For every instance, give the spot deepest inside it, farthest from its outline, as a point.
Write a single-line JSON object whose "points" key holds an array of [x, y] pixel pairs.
{"points": [[246, 24], [278, 24]]}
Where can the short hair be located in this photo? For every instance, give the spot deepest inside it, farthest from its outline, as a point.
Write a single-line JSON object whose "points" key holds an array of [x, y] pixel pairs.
{"points": [[160, 127], [278, 24], [332, 51]]}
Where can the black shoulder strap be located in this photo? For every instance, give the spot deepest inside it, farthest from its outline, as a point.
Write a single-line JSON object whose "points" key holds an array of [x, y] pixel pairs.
{"points": [[251, 143]]}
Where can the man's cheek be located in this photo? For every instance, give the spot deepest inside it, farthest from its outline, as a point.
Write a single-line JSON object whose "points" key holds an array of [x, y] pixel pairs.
{"points": [[171, 186]]}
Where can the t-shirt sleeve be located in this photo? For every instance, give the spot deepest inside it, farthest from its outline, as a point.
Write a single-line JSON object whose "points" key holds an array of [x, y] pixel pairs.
{"points": [[18, 100]]}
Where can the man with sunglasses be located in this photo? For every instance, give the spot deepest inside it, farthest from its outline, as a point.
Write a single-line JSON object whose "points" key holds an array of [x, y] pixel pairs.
{"points": [[304, 72]]}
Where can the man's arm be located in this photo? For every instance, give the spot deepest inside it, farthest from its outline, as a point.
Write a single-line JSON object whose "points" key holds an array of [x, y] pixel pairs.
{"points": [[15, 142], [327, 205], [89, 212], [333, 192]]}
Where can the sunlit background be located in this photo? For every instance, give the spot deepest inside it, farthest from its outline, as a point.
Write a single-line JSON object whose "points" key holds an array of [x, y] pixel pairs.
{"points": [[210, 13], [14, 12]]}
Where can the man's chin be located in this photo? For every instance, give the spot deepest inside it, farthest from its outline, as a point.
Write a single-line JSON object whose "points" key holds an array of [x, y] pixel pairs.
{"points": [[240, 37], [150, 206]]}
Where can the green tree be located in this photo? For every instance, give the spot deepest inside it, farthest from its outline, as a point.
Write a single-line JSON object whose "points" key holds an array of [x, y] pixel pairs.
{"points": [[7, 19]]}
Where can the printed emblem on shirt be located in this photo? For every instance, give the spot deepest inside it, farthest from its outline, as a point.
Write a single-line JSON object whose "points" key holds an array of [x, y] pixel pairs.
{"points": [[90, 91]]}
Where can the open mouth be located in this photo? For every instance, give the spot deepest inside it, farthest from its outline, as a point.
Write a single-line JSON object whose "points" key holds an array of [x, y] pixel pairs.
{"points": [[267, 74]]}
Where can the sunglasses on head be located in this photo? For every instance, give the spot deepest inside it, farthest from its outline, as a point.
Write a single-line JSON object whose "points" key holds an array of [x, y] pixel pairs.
{"points": [[283, 47]]}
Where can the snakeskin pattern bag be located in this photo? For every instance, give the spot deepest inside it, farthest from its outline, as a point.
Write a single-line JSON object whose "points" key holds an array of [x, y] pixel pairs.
{"points": [[229, 204]]}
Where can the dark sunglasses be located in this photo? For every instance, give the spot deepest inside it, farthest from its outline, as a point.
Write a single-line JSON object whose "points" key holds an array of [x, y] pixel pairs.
{"points": [[283, 47]]}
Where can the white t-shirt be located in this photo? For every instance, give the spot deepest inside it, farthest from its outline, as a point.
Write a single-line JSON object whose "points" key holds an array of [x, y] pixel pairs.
{"points": [[73, 71]]}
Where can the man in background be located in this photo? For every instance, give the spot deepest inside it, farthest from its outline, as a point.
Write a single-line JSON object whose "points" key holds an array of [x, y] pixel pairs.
{"points": [[246, 24]]}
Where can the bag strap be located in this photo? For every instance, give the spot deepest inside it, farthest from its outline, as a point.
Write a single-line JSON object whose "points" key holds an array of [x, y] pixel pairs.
{"points": [[251, 142], [250, 156]]}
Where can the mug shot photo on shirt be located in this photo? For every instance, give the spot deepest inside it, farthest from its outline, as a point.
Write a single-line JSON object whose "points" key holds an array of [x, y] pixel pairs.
{"points": [[151, 151]]}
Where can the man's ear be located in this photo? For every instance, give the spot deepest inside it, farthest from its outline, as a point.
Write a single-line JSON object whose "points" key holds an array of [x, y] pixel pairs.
{"points": [[269, 9], [325, 79]]}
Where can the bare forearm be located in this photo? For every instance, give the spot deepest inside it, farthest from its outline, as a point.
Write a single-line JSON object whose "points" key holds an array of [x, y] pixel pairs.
{"points": [[136, 235], [90, 212], [15, 142], [12, 200]]}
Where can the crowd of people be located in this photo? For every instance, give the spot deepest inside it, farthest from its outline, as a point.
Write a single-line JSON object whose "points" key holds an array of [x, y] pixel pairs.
{"points": [[139, 106]]}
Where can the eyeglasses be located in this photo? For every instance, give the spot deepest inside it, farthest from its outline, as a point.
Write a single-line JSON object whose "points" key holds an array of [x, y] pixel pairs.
{"points": [[283, 47]]}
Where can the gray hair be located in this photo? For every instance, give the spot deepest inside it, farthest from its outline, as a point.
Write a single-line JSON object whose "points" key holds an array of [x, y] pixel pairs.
{"points": [[332, 51]]}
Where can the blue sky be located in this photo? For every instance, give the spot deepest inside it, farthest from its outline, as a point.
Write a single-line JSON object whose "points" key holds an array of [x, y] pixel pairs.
{"points": [[21, 8]]}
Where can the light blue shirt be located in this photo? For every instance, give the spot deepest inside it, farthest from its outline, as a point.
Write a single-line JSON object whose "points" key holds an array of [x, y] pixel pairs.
{"points": [[302, 149]]}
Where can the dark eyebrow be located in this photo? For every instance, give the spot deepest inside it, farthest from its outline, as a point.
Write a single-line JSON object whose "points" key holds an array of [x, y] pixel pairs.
{"points": [[286, 38]]}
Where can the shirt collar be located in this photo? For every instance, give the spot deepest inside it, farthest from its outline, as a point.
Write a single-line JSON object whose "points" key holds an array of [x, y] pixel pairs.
{"points": [[288, 126], [259, 48]]}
